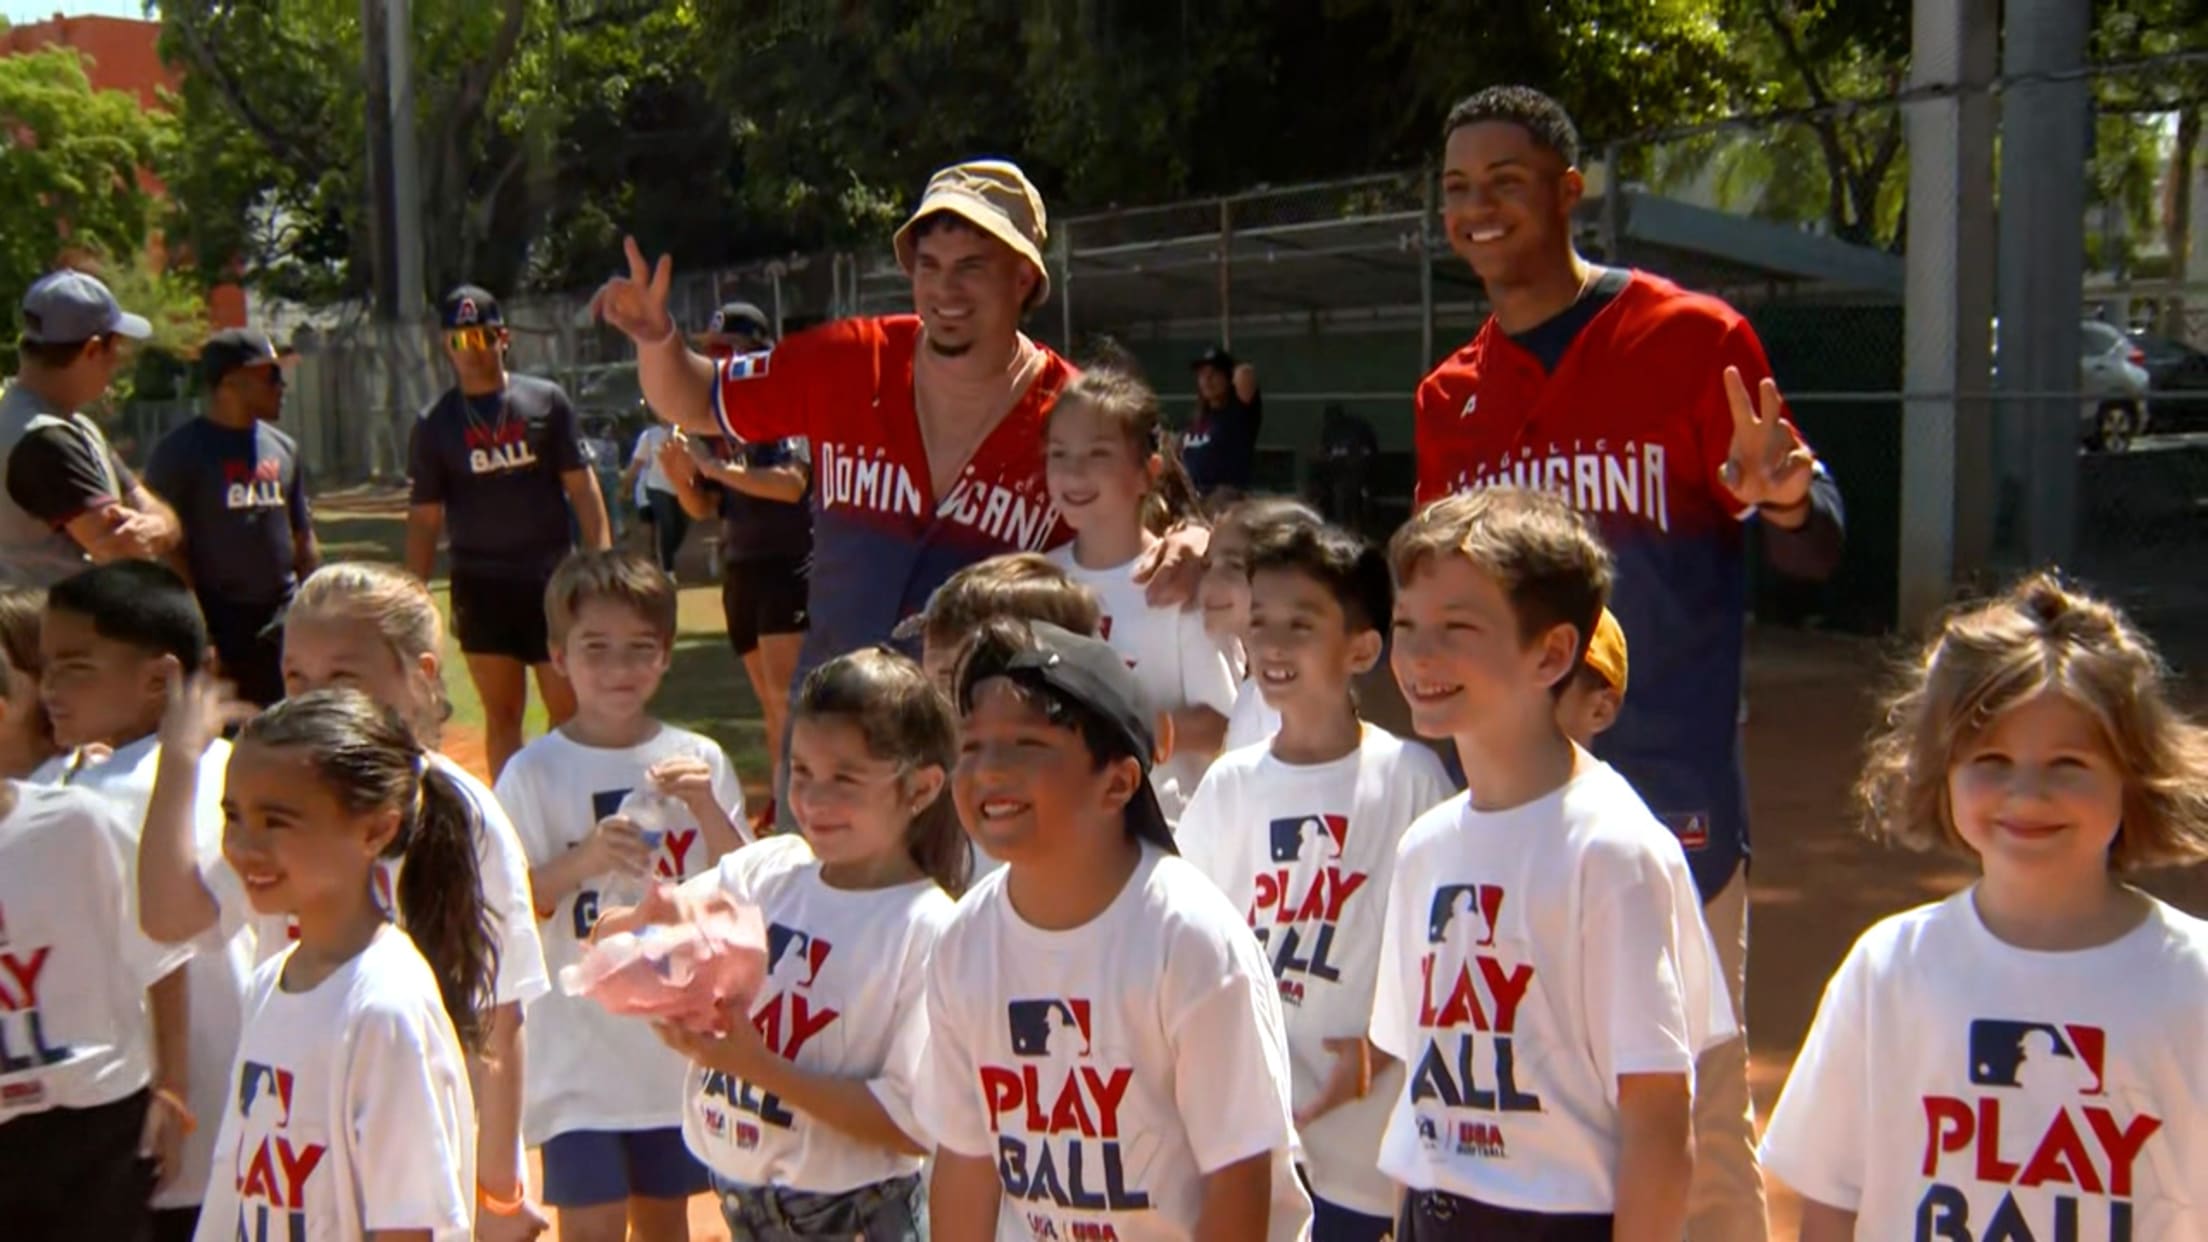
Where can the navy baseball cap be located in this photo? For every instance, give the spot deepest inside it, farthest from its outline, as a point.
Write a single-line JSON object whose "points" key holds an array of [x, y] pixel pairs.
{"points": [[228, 350], [470, 306], [1216, 356], [739, 318], [1086, 673], [69, 307]]}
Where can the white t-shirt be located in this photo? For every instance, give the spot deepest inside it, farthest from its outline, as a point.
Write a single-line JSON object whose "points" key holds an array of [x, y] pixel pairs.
{"points": [[1108, 1068], [1174, 661], [1306, 851], [1530, 957], [653, 478], [349, 1111], [588, 1069], [843, 997], [222, 958], [505, 876], [1955, 1083], [75, 1030], [1251, 721]]}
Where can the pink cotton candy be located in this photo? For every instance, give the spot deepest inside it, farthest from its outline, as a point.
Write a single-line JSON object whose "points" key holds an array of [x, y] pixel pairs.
{"points": [[690, 971]]}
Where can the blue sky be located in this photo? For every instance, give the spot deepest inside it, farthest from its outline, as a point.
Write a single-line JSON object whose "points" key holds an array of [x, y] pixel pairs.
{"points": [[20, 11]]}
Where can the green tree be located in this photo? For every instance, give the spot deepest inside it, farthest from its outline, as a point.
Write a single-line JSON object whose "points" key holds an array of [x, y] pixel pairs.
{"points": [[70, 168]]}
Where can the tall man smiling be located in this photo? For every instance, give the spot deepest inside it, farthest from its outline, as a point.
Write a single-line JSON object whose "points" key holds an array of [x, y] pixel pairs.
{"points": [[1632, 399]]}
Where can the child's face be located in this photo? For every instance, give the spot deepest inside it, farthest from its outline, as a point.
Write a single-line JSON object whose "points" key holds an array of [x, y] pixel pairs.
{"points": [[1458, 654], [288, 837], [1026, 787], [25, 738], [1589, 706], [1096, 478], [614, 658], [2037, 791], [1301, 650], [851, 805], [323, 653], [97, 689], [1225, 591]]}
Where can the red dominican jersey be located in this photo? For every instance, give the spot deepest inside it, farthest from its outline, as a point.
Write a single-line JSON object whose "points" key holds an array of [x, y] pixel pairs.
{"points": [[882, 541], [1632, 429]]}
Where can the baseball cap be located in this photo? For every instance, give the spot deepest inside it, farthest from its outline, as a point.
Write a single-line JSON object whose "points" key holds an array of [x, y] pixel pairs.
{"points": [[1216, 356], [65, 307], [470, 306], [1086, 673], [1606, 651], [993, 196], [228, 350], [739, 317]]}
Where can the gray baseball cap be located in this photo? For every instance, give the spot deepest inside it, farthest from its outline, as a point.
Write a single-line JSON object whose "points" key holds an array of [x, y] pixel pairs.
{"points": [[66, 307]]}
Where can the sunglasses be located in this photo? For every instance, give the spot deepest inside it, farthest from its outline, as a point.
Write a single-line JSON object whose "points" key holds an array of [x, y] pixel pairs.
{"points": [[464, 339]]}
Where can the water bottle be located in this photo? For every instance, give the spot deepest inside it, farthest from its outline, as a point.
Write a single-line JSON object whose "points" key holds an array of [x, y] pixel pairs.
{"points": [[651, 812]]}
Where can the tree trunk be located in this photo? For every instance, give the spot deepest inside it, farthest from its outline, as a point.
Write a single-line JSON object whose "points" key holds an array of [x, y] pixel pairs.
{"points": [[2178, 228]]}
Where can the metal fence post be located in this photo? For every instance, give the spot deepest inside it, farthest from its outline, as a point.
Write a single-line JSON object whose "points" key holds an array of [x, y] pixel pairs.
{"points": [[1613, 206], [1226, 270]]}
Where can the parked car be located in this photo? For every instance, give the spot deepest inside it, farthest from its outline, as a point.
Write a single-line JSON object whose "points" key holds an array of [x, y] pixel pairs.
{"points": [[2177, 382], [2112, 383]]}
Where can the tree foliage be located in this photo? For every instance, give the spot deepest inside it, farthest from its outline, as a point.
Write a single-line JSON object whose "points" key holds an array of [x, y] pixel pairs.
{"points": [[70, 167]]}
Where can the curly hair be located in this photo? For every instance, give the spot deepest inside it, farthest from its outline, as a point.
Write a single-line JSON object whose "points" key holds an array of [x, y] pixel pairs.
{"points": [[1986, 658]]}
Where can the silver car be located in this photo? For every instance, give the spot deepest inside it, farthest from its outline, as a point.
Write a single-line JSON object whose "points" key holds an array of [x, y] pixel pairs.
{"points": [[2112, 384]]}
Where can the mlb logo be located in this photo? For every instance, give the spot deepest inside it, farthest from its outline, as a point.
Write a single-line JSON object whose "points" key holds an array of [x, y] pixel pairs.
{"points": [[716, 1122], [794, 957], [2038, 1054], [747, 366], [467, 313], [1462, 908], [1042, 1028], [252, 1075], [1315, 837]]}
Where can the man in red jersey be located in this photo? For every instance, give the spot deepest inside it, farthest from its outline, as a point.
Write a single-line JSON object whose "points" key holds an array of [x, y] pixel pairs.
{"points": [[1652, 410]]}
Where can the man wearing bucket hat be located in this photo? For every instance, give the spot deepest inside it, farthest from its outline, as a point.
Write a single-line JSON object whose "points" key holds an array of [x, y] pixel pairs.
{"points": [[68, 499], [926, 429]]}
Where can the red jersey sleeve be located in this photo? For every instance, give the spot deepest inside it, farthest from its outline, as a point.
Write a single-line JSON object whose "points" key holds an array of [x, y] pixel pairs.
{"points": [[1713, 414], [1434, 415], [777, 393]]}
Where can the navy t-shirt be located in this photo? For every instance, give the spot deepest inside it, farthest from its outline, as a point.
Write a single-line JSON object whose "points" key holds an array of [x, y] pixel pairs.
{"points": [[241, 496], [1219, 449], [495, 463], [754, 528]]}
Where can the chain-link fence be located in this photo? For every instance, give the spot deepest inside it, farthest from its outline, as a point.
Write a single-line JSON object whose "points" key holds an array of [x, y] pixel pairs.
{"points": [[1343, 294]]}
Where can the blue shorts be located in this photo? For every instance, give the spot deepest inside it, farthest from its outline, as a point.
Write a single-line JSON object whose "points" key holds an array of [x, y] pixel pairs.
{"points": [[1331, 1222], [591, 1168]]}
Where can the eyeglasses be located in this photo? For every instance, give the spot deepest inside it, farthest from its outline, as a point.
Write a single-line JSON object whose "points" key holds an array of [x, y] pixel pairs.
{"points": [[466, 339]]}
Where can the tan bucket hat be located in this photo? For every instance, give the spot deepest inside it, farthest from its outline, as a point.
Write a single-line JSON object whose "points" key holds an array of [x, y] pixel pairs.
{"points": [[995, 197]]}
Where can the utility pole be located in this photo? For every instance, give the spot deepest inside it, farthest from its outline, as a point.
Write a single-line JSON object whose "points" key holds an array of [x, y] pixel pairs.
{"points": [[406, 181]]}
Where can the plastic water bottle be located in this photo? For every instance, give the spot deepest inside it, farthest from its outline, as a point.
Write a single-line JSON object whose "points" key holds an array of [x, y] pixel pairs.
{"points": [[651, 812]]}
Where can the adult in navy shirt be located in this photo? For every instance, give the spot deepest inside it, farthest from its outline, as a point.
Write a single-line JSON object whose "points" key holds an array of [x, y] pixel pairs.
{"points": [[1219, 446], [497, 463], [239, 490], [762, 492], [1652, 410]]}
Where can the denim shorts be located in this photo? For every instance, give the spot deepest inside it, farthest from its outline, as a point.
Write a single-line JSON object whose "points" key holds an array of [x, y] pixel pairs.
{"points": [[891, 1211]]}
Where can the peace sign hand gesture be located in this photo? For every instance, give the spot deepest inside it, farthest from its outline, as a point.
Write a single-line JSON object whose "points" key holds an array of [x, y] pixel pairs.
{"points": [[637, 303], [1768, 465]]}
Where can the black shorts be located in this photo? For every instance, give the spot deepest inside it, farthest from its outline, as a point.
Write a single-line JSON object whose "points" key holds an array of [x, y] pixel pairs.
{"points": [[498, 616], [763, 596], [76, 1173], [1438, 1216]]}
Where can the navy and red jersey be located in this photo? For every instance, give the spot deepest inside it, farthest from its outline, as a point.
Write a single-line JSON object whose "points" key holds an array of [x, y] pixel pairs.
{"points": [[1633, 428], [882, 540]]}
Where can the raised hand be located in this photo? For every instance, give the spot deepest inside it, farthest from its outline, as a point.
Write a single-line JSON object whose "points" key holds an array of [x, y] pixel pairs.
{"points": [[637, 303], [200, 708], [1768, 464]]}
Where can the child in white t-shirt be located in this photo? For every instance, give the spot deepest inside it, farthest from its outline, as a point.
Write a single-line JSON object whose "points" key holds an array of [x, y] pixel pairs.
{"points": [[603, 1097], [1106, 465], [1105, 1052], [804, 1109], [1300, 832], [1224, 597], [1545, 976], [2021, 1060], [78, 1038], [117, 636], [26, 737], [375, 628], [349, 1114]]}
